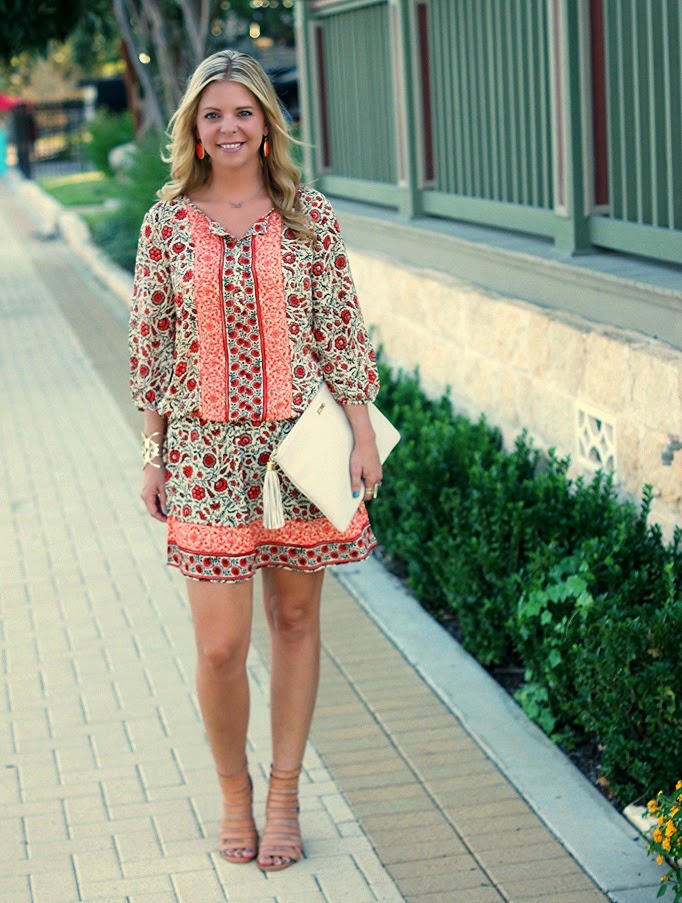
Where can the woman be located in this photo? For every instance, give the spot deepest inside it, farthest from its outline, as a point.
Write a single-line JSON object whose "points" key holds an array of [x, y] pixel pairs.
{"points": [[243, 303]]}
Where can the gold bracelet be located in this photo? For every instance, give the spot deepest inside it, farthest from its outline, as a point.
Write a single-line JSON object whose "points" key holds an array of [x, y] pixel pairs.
{"points": [[152, 449]]}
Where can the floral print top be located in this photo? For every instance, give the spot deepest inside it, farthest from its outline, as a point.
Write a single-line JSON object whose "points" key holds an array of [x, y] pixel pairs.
{"points": [[244, 330]]}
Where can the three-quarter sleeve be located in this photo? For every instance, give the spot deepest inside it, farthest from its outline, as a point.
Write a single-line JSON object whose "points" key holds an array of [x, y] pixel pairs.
{"points": [[343, 345], [152, 320]]}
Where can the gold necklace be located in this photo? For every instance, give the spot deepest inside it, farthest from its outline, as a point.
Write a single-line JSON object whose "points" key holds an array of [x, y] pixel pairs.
{"points": [[239, 204]]}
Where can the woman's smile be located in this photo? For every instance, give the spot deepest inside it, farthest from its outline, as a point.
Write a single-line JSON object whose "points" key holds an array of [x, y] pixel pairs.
{"points": [[230, 146]]}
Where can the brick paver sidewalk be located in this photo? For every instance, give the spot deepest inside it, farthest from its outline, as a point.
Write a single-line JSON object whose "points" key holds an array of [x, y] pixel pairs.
{"points": [[107, 791]]}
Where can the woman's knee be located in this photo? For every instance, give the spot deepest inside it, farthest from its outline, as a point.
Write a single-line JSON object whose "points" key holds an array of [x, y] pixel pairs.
{"points": [[222, 659], [294, 619], [292, 603], [222, 626]]}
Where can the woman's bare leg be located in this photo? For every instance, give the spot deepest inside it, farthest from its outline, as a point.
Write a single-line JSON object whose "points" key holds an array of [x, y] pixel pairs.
{"points": [[222, 615], [222, 625], [292, 608]]}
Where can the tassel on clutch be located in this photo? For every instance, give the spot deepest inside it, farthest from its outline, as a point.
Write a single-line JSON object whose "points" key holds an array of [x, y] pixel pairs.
{"points": [[273, 513]]}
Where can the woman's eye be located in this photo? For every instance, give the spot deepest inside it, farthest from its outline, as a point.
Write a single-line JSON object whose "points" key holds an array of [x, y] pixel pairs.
{"points": [[245, 113], [210, 115]]}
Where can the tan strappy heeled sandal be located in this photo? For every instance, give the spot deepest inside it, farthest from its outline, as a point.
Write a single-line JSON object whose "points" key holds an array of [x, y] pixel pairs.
{"points": [[281, 845], [238, 836]]}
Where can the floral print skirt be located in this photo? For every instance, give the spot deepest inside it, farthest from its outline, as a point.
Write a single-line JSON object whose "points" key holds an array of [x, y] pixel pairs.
{"points": [[215, 474]]}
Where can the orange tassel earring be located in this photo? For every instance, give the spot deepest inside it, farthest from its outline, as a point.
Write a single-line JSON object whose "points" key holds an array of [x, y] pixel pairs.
{"points": [[266, 146], [200, 149]]}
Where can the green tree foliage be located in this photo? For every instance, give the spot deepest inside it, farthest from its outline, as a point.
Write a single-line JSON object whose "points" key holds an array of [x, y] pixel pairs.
{"points": [[96, 40], [276, 20], [31, 26], [164, 39]]}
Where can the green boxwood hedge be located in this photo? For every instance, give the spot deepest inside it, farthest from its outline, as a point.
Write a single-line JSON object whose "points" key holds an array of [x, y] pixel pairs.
{"points": [[554, 575]]}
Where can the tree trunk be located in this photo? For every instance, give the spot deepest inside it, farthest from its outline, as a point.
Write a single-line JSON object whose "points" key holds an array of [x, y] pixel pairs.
{"points": [[132, 87], [164, 55], [196, 14], [153, 115]]}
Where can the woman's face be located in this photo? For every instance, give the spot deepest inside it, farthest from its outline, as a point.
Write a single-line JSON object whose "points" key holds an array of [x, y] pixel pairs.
{"points": [[230, 124]]}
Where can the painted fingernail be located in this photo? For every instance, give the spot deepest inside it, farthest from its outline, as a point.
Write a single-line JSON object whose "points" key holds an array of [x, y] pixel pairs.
{"points": [[356, 494]]}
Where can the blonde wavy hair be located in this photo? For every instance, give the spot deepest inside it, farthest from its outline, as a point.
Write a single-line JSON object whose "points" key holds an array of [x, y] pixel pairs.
{"points": [[281, 176]]}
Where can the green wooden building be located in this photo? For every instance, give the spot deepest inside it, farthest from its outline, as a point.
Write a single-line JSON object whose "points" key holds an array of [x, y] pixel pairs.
{"points": [[521, 158]]}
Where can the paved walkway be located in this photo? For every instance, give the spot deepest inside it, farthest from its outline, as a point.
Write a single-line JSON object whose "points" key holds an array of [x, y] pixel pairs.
{"points": [[107, 791]]}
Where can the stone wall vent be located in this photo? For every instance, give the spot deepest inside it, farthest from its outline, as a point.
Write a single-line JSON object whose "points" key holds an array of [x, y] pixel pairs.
{"points": [[596, 439]]}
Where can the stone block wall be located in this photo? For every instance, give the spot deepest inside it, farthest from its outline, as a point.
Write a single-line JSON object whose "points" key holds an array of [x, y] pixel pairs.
{"points": [[607, 397]]}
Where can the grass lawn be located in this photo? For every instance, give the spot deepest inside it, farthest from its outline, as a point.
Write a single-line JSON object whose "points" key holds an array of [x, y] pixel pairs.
{"points": [[95, 218], [80, 189]]}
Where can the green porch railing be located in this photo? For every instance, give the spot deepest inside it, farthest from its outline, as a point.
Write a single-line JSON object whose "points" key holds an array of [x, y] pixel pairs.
{"points": [[490, 86], [643, 128], [355, 56], [491, 99], [560, 118]]}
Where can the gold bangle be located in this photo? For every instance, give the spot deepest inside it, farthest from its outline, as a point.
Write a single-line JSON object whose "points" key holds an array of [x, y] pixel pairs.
{"points": [[152, 449]]}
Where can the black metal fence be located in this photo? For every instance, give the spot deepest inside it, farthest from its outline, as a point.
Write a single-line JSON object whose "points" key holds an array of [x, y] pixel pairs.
{"points": [[49, 137]]}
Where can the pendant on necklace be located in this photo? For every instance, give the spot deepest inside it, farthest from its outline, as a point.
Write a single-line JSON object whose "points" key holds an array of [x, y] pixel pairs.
{"points": [[239, 204]]}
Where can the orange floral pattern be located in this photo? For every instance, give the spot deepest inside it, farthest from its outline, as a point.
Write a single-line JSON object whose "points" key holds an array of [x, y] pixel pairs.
{"points": [[230, 338], [199, 551], [214, 486], [210, 308], [200, 298], [272, 325]]}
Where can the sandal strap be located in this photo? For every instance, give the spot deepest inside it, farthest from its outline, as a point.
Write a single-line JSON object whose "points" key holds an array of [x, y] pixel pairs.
{"points": [[282, 835], [237, 827]]}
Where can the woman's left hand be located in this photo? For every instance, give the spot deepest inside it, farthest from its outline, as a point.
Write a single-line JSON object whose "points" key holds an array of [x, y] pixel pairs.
{"points": [[365, 465], [365, 469]]}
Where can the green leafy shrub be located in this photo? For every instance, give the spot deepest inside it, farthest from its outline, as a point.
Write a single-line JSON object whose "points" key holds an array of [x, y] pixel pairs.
{"points": [[432, 461], [555, 575], [551, 621], [483, 553], [598, 632], [136, 190], [107, 131], [628, 677]]}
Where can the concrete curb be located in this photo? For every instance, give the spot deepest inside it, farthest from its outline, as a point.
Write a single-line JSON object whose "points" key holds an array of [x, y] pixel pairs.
{"points": [[53, 220], [605, 844]]}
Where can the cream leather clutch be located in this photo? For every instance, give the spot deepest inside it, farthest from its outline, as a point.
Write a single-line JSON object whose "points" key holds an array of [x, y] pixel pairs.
{"points": [[315, 456]]}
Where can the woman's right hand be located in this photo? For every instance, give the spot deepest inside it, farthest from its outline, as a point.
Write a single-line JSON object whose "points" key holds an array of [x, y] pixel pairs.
{"points": [[153, 492]]}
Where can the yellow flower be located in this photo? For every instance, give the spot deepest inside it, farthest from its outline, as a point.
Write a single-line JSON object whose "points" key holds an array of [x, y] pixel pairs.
{"points": [[670, 829], [660, 820], [658, 835], [666, 844], [674, 811], [652, 806], [678, 786], [659, 859]]}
